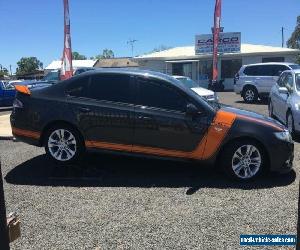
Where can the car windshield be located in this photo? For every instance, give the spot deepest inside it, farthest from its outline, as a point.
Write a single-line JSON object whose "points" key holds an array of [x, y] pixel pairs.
{"points": [[51, 76], [297, 79], [294, 66], [188, 82]]}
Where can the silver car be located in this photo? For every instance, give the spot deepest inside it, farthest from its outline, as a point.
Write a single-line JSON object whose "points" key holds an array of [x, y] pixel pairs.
{"points": [[285, 100]]}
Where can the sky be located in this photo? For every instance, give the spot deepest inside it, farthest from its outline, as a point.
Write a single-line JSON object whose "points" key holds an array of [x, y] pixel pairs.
{"points": [[35, 27]]}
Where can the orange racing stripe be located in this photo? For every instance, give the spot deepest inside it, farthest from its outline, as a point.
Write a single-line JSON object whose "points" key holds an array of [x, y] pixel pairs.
{"points": [[205, 149], [26, 133]]}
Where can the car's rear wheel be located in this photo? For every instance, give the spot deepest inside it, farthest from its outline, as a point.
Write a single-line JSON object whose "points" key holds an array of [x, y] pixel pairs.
{"points": [[250, 94], [243, 160], [63, 144]]}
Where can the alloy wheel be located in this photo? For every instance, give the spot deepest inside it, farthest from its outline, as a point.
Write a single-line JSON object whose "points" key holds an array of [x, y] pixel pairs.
{"points": [[62, 145], [246, 161], [249, 95]]}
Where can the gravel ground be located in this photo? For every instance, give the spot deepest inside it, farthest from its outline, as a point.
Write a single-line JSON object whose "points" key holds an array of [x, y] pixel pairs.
{"points": [[131, 203]]}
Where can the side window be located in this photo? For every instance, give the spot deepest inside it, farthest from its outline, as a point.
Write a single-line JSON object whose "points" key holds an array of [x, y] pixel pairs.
{"points": [[157, 94], [280, 81], [276, 70], [111, 87], [79, 87], [289, 81], [250, 70]]}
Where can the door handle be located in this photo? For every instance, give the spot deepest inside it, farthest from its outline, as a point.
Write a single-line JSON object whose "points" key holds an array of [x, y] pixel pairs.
{"points": [[84, 109]]}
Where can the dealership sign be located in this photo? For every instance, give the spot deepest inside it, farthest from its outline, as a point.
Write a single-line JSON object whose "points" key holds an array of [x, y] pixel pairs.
{"points": [[228, 43]]}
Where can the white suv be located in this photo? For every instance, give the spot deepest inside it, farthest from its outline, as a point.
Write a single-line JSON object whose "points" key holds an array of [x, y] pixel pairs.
{"points": [[255, 81]]}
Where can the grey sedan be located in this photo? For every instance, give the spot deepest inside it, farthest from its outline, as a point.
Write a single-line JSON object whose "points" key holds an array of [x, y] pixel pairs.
{"points": [[285, 100]]}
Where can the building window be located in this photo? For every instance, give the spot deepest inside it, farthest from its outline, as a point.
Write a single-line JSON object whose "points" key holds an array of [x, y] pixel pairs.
{"points": [[230, 67], [205, 70], [182, 69], [273, 59]]}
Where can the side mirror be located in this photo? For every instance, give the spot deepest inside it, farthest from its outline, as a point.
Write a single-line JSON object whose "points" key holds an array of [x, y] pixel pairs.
{"points": [[283, 90], [192, 110]]}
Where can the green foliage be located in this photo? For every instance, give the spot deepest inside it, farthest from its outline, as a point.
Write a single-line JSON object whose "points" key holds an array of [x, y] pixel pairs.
{"points": [[294, 41], [28, 65], [77, 56], [107, 53]]}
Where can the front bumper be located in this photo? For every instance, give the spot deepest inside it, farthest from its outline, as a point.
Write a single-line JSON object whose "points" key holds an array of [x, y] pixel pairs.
{"points": [[281, 156]]}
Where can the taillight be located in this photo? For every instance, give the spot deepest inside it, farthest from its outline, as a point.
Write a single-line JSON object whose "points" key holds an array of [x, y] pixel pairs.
{"points": [[17, 104]]}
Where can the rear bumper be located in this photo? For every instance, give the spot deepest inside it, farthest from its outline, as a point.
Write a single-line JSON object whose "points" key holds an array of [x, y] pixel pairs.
{"points": [[237, 89]]}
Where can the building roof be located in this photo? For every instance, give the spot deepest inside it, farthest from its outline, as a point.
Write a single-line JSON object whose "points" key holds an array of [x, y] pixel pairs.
{"points": [[116, 63], [189, 51], [76, 64]]}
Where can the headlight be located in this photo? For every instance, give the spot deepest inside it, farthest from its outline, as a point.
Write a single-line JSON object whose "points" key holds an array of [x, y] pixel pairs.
{"points": [[283, 136]]}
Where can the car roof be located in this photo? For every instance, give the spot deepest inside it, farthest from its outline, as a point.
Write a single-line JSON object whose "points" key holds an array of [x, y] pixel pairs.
{"points": [[128, 71], [271, 63]]}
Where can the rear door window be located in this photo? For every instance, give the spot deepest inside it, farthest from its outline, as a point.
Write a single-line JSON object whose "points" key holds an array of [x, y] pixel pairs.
{"points": [[111, 87], [154, 93], [78, 87]]}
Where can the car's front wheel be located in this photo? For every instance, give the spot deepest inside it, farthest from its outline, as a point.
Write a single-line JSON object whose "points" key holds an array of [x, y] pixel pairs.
{"points": [[243, 160], [63, 144]]}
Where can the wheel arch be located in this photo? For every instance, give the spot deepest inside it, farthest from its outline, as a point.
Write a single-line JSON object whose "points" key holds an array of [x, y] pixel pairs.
{"points": [[241, 138], [55, 123]]}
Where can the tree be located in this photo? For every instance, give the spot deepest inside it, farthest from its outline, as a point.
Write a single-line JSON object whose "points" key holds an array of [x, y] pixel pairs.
{"points": [[3, 72], [294, 41], [77, 56], [28, 65], [107, 53]]}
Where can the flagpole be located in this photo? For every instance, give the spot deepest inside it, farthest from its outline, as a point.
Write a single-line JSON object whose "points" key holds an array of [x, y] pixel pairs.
{"points": [[216, 33]]}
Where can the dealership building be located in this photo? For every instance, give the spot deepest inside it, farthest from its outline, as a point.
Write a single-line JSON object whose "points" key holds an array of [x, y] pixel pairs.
{"points": [[187, 61]]}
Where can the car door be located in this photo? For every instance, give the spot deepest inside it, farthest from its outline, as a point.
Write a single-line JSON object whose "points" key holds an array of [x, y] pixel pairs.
{"points": [[103, 109], [275, 96], [283, 98], [161, 121]]}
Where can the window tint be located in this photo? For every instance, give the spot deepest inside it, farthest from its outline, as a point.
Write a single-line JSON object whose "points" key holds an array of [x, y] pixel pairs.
{"points": [[265, 70], [111, 87], [281, 80], [289, 81], [157, 94], [79, 87]]}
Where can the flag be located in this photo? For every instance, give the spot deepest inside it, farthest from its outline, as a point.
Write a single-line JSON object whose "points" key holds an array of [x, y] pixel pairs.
{"points": [[66, 65], [217, 22]]}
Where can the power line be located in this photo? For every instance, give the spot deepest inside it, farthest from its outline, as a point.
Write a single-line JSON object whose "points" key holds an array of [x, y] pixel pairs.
{"points": [[131, 43]]}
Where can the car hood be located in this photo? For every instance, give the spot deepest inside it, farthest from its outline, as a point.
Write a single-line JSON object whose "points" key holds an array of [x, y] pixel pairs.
{"points": [[251, 115], [202, 91]]}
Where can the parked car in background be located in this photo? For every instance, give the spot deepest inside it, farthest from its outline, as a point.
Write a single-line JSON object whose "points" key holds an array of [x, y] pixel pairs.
{"points": [[54, 75], [255, 81], [148, 114], [7, 94], [206, 93], [285, 100]]}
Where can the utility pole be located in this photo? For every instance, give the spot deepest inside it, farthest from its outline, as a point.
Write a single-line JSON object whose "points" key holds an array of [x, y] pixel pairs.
{"points": [[10, 70], [131, 43], [282, 37]]}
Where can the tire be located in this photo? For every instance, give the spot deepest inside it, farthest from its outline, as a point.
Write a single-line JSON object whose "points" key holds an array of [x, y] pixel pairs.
{"points": [[239, 165], [271, 110], [290, 123], [63, 144], [250, 94]]}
